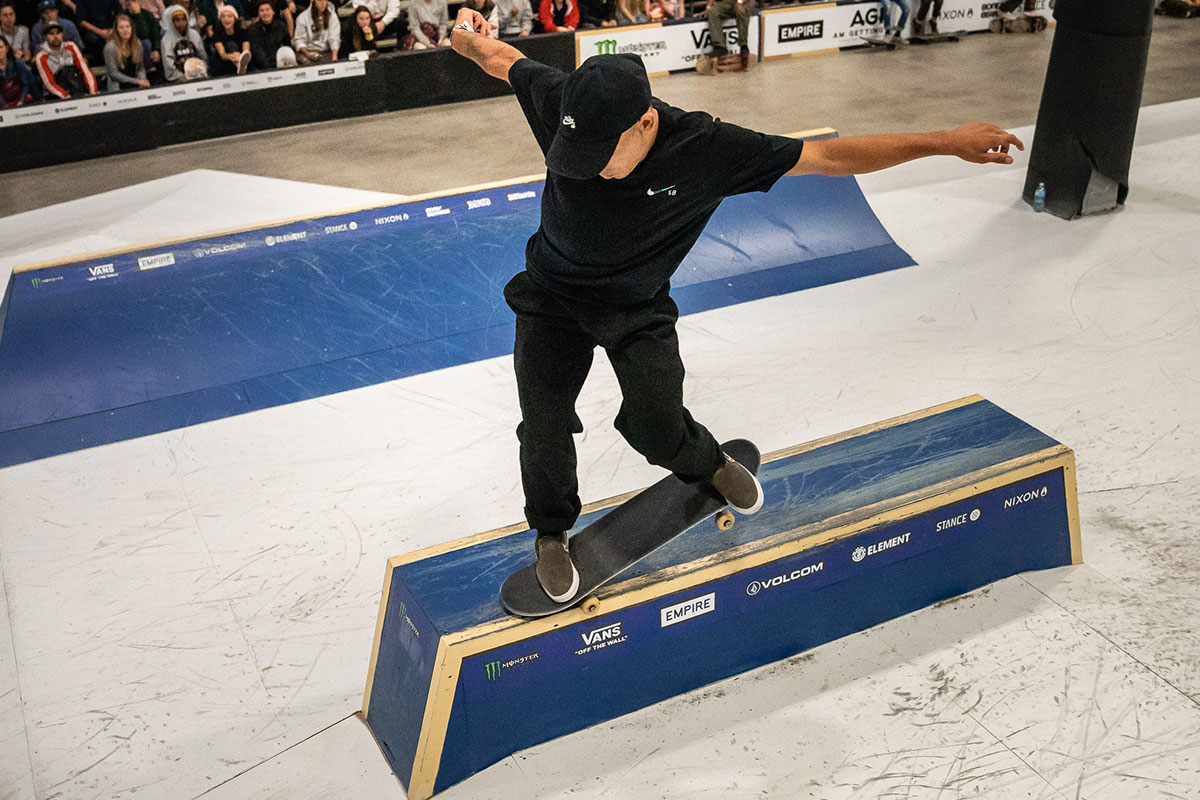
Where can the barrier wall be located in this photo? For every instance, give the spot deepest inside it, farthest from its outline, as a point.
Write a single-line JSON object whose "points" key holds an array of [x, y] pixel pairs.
{"points": [[857, 529]]}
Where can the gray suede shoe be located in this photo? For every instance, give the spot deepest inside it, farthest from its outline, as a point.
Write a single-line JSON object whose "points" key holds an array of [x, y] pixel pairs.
{"points": [[555, 571], [738, 486]]}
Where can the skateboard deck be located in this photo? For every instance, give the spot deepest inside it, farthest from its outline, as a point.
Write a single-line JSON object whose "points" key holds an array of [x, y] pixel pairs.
{"points": [[881, 41], [936, 38], [626, 535], [730, 62]]}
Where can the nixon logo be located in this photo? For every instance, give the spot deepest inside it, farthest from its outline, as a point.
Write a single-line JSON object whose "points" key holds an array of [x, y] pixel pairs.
{"points": [[606, 47], [799, 31], [1025, 497]]}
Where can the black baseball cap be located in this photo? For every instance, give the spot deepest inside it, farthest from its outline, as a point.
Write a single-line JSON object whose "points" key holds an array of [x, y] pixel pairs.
{"points": [[601, 99], [49, 26]]}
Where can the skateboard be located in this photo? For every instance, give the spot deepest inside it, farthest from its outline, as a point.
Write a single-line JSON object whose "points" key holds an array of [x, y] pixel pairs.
{"points": [[730, 62], [936, 38], [883, 41], [626, 535]]}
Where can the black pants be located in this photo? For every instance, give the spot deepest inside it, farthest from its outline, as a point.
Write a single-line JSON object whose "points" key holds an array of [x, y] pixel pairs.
{"points": [[552, 356]]}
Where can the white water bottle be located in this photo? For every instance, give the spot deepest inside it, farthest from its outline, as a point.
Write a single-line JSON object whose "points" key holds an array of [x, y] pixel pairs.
{"points": [[1039, 198]]}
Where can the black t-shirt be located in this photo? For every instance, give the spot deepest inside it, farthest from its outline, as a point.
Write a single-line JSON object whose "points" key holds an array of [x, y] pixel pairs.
{"points": [[232, 42], [618, 242]]}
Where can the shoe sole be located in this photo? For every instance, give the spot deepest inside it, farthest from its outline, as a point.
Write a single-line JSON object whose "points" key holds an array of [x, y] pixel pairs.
{"points": [[562, 598], [757, 503]]}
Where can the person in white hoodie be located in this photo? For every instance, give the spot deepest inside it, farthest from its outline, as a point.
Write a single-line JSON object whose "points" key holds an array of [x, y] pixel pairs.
{"points": [[183, 57], [318, 34]]}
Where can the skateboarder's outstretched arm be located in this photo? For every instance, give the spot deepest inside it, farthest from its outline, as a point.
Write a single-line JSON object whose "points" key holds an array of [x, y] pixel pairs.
{"points": [[977, 142], [492, 55]]}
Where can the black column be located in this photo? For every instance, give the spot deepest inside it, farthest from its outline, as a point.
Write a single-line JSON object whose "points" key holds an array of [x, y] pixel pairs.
{"points": [[1089, 108]]}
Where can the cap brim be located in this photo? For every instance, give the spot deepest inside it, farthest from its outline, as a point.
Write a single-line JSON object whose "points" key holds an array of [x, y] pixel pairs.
{"points": [[580, 160]]}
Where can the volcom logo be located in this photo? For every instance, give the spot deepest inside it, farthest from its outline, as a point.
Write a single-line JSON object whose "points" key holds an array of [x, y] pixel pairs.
{"points": [[569, 121]]}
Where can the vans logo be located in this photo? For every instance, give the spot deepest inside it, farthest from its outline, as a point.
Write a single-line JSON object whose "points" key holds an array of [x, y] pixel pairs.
{"points": [[103, 269], [600, 638]]}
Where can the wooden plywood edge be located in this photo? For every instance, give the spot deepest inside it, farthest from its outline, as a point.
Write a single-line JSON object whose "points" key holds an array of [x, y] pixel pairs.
{"points": [[161, 243], [435, 723], [383, 603]]}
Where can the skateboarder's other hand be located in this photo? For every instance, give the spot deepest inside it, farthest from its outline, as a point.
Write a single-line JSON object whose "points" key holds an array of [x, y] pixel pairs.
{"points": [[982, 143]]}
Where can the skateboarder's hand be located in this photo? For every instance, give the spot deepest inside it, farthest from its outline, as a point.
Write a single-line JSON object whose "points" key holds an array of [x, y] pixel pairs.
{"points": [[982, 143]]}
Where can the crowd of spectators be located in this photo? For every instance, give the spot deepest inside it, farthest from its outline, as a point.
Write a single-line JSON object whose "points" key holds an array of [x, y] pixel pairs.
{"points": [[57, 49]]}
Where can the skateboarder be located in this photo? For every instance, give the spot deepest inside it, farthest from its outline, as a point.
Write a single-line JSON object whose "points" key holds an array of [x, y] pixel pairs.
{"points": [[630, 184]]}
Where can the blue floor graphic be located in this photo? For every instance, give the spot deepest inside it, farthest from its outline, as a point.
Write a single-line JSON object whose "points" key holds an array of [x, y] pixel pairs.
{"points": [[103, 351]]}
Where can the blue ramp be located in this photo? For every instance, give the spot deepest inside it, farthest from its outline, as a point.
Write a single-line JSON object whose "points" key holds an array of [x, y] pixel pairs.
{"points": [[148, 341]]}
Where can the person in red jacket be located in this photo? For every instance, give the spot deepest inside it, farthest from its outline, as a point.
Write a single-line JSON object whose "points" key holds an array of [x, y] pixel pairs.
{"points": [[62, 68], [559, 15]]}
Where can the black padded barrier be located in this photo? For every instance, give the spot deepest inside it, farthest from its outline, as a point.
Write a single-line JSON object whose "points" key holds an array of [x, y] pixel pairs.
{"points": [[392, 82], [1088, 114]]}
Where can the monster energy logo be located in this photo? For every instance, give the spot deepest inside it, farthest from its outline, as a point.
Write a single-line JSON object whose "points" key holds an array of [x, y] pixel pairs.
{"points": [[493, 669], [606, 47], [37, 282], [403, 609]]}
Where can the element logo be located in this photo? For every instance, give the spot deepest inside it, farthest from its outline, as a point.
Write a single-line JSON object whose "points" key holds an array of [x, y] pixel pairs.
{"points": [[859, 553]]}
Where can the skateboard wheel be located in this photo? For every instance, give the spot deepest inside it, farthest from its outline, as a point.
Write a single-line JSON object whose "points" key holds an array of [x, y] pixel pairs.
{"points": [[724, 520], [590, 606]]}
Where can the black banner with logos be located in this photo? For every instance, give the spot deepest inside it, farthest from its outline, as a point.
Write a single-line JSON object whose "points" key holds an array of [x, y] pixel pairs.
{"points": [[392, 83]]}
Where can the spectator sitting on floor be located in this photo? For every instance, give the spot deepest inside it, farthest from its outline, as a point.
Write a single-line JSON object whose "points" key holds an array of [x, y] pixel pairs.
{"points": [[147, 31], [487, 10], [515, 16], [428, 25], [559, 15], [318, 34], [598, 13], [16, 36], [124, 64], [62, 68], [182, 48], [230, 44], [270, 43], [385, 18], [632, 12], [49, 12], [17, 86], [95, 22], [1179, 8], [717, 11]]}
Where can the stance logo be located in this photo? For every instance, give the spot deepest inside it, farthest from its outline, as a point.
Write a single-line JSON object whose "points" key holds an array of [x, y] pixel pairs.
{"points": [[799, 31], [954, 522]]}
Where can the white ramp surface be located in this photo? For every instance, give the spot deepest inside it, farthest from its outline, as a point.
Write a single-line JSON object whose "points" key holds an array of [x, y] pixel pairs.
{"points": [[192, 612]]}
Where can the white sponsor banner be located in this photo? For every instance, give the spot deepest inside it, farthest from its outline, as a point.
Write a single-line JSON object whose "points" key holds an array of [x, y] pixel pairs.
{"points": [[802, 29], [173, 93], [663, 48]]}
